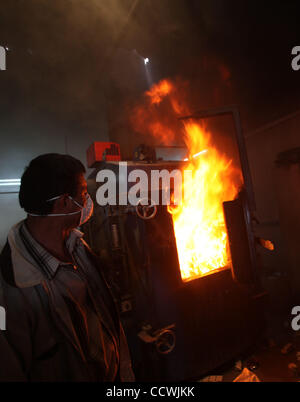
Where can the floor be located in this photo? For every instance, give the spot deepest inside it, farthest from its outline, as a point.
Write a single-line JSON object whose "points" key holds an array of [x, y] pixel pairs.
{"points": [[271, 361]]}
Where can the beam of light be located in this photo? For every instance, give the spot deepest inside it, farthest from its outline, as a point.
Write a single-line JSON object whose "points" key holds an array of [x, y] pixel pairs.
{"points": [[10, 182], [196, 155], [200, 153], [148, 72]]}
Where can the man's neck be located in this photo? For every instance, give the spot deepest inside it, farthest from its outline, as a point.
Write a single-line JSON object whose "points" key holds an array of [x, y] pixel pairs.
{"points": [[50, 234]]}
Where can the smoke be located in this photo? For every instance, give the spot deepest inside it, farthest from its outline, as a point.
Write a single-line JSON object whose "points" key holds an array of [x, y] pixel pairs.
{"points": [[57, 62], [62, 52], [156, 118]]}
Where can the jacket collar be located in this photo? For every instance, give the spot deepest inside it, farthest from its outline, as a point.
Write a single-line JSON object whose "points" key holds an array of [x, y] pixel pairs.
{"points": [[26, 269]]}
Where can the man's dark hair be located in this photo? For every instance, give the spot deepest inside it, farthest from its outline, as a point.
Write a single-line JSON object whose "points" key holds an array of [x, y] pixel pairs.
{"points": [[48, 176]]}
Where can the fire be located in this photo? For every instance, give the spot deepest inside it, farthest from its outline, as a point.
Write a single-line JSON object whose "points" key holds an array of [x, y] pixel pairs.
{"points": [[199, 226], [158, 92]]}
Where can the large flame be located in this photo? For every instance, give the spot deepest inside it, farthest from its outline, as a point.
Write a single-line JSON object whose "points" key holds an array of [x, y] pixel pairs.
{"points": [[199, 225]]}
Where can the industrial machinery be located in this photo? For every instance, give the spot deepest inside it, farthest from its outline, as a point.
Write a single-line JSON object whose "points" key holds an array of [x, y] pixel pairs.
{"points": [[178, 328]]}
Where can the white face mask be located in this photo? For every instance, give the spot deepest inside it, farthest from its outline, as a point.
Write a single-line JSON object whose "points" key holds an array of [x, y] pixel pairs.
{"points": [[85, 211]]}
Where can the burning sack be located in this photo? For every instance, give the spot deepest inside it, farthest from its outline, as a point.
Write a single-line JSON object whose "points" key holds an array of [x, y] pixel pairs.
{"points": [[246, 376]]}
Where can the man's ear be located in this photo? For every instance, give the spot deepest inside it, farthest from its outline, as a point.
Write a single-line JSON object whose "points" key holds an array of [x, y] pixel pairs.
{"points": [[65, 201], [61, 204]]}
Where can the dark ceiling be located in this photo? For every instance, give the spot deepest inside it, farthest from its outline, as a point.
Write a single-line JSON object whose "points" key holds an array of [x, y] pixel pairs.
{"points": [[61, 52]]}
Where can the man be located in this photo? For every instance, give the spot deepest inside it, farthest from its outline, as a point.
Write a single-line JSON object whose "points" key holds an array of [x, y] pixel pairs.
{"points": [[61, 321]]}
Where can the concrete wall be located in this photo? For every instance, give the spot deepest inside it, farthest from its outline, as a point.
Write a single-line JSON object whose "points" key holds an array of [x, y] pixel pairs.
{"points": [[263, 146], [23, 137]]}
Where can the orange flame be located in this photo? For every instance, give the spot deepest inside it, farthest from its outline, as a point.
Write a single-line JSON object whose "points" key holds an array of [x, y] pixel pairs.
{"points": [[199, 226], [159, 91]]}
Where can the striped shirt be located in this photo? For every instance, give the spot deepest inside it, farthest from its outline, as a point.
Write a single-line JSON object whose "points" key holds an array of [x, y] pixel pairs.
{"points": [[69, 285], [46, 261]]}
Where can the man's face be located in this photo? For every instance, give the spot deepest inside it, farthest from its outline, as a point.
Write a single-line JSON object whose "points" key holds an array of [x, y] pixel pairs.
{"points": [[65, 205], [81, 191]]}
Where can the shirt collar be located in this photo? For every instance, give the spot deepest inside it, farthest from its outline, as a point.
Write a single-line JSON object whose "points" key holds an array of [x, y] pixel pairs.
{"points": [[46, 261]]}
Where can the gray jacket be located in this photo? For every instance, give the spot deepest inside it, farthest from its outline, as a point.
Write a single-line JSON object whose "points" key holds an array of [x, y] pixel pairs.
{"points": [[36, 345]]}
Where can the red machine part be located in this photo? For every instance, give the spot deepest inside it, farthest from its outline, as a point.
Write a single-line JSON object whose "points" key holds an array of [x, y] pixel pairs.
{"points": [[102, 151]]}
